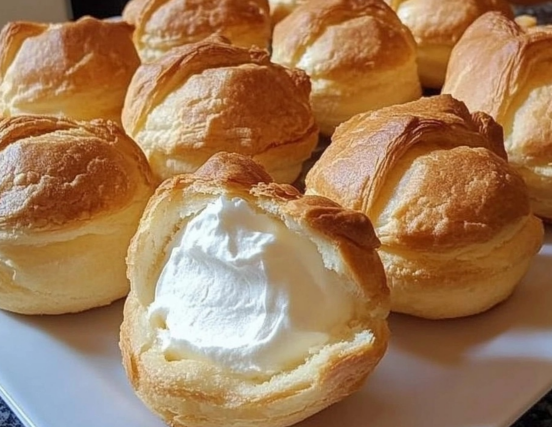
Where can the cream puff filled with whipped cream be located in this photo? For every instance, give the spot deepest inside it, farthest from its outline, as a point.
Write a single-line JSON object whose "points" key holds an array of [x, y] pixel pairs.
{"points": [[250, 303]]}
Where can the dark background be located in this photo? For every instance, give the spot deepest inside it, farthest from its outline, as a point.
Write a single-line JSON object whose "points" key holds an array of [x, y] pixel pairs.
{"points": [[98, 8]]}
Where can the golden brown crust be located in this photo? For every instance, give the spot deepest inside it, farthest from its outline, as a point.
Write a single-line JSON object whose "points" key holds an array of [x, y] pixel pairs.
{"points": [[514, 52], [76, 69], [71, 195], [57, 173], [435, 182], [437, 26], [353, 52], [225, 98], [161, 25], [386, 136], [511, 65], [175, 390]]}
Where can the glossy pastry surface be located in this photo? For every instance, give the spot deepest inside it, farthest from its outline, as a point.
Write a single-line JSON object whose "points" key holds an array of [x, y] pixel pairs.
{"points": [[250, 348]]}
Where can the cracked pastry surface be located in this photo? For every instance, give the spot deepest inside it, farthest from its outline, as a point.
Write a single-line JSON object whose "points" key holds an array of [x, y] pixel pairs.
{"points": [[218, 330], [71, 195], [358, 55], [512, 67], [163, 25], [456, 228], [80, 70], [211, 96]]}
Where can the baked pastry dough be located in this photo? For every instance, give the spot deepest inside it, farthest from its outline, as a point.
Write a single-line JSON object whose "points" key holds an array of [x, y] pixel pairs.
{"points": [[71, 196], [512, 67], [358, 55], [163, 25], [454, 221], [211, 96], [437, 25], [218, 256], [279, 9], [78, 70]]}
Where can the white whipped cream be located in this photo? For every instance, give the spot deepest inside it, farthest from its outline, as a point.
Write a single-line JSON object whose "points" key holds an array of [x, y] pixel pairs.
{"points": [[239, 289]]}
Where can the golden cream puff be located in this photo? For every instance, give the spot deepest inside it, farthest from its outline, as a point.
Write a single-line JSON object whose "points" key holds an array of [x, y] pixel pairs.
{"points": [[71, 196], [456, 228], [511, 66], [250, 304], [358, 55]]}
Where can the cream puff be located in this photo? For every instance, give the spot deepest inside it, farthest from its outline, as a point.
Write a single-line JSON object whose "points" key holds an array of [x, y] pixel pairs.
{"points": [[512, 68], [71, 196], [161, 26], [79, 70], [358, 55], [437, 26], [454, 220], [250, 304], [211, 96]]}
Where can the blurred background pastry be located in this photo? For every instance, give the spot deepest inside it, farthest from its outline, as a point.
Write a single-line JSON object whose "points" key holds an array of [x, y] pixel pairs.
{"points": [[279, 9], [160, 26], [437, 25], [512, 68], [71, 195], [358, 55], [80, 70], [264, 344], [453, 217], [211, 96]]}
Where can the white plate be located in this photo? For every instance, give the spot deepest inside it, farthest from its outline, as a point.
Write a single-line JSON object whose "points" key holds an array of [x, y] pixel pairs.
{"points": [[481, 371]]}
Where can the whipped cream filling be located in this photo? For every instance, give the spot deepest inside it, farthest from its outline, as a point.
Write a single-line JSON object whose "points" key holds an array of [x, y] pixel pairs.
{"points": [[241, 290]]}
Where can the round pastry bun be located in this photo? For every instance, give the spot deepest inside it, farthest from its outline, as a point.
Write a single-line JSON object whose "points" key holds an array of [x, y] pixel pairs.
{"points": [[437, 25], [161, 26], [456, 229], [71, 196], [192, 393], [358, 55], [210, 96], [80, 70], [512, 65]]}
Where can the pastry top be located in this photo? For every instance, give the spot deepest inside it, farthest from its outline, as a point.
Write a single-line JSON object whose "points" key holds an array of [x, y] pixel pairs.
{"points": [[75, 69], [428, 174], [57, 173], [503, 58], [348, 236], [223, 98], [437, 22], [162, 25], [343, 39], [279, 9]]}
